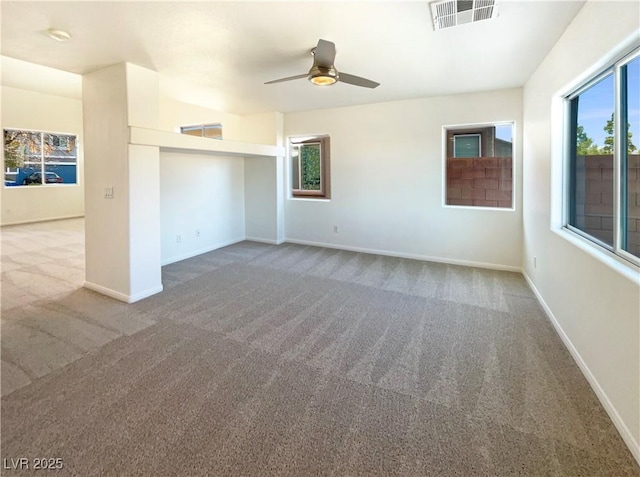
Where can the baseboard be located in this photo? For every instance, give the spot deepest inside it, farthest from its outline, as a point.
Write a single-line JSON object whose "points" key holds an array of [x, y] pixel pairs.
{"points": [[123, 296], [145, 294], [194, 253], [37, 221], [426, 258], [107, 291], [619, 424], [264, 240]]}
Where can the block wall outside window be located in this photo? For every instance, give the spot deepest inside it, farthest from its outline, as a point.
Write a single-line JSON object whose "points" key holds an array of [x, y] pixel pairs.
{"points": [[486, 180], [596, 173], [480, 182]]}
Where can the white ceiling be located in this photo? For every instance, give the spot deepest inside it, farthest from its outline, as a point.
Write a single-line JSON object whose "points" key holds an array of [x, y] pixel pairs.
{"points": [[219, 54]]}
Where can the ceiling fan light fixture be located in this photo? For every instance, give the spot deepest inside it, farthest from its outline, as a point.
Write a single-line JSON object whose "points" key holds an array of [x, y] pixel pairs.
{"points": [[323, 76], [323, 80]]}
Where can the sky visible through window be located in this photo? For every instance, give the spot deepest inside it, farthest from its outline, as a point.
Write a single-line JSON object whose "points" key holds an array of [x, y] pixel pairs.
{"points": [[596, 106], [504, 132]]}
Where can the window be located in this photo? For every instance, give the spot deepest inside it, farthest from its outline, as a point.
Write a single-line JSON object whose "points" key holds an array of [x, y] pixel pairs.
{"points": [[39, 158], [479, 166], [310, 167], [213, 131], [603, 189], [466, 145]]}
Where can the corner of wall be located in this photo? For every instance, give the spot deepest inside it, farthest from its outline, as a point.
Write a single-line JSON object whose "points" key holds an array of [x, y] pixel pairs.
{"points": [[592, 305]]}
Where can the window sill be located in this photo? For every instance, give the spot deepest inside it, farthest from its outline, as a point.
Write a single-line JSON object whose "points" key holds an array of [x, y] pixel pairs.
{"points": [[475, 207], [310, 199], [625, 268], [39, 186]]}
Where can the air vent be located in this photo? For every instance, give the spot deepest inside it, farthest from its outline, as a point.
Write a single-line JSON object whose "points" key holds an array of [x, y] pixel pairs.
{"points": [[451, 13]]}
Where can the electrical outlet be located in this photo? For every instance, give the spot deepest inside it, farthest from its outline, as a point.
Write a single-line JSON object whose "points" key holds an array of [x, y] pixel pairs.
{"points": [[178, 238], [197, 232], [335, 229]]}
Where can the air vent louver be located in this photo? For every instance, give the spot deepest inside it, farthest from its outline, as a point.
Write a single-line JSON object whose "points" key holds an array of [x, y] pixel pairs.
{"points": [[450, 13]]}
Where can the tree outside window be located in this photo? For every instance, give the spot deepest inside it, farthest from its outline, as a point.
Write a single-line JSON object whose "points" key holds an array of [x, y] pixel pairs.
{"points": [[310, 175]]}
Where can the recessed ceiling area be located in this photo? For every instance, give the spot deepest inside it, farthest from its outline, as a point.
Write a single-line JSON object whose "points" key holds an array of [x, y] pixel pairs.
{"points": [[220, 54]]}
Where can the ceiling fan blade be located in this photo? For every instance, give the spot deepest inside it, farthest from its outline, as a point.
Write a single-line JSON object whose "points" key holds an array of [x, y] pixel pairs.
{"points": [[289, 78], [357, 80], [325, 53]]}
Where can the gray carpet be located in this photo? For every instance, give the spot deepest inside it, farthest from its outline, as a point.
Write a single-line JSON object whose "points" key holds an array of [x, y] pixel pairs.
{"points": [[293, 360]]}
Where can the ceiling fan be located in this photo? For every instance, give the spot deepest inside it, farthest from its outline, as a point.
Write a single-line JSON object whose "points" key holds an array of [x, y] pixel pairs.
{"points": [[324, 73]]}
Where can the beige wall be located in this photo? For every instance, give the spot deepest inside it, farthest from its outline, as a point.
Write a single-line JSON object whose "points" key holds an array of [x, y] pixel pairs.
{"points": [[174, 114], [252, 128], [24, 109]]}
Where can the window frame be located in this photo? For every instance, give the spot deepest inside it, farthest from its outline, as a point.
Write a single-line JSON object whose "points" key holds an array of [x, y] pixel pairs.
{"points": [[325, 167], [619, 170], [202, 128], [451, 130], [42, 163], [10, 171], [456, 136]]}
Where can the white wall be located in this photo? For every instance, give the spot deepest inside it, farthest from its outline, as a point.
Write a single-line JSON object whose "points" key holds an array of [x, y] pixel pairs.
{"points": [[200, 192], [144, 221], [107, 233], [122, 232], [387, 182], [38, 111], [228, 198], [143, 93], [595, 305], [261, 191], [264, 179]]}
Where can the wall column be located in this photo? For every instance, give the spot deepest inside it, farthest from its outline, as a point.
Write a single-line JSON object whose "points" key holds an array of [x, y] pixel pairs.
{"points": [[122, 183]]}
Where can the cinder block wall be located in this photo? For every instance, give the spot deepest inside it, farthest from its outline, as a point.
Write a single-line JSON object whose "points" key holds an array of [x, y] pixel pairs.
{"points": [[480, 181], [595, 180], [487, 182]]}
